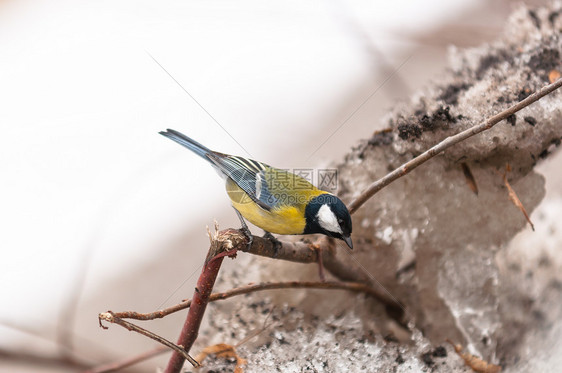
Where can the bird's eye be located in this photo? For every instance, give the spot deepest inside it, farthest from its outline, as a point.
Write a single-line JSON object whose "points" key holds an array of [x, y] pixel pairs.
{"points": [[340, 221]]}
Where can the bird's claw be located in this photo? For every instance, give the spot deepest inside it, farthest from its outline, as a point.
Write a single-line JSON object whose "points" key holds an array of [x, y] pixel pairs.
{"points": [[248, 235], [276, 243], [244, 229]]}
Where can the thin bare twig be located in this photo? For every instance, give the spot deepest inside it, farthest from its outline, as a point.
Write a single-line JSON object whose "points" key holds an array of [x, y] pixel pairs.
{"points": [[118, 365], [447, 143], [332, 285], [121, 364], [179, 349], [250, 288]]}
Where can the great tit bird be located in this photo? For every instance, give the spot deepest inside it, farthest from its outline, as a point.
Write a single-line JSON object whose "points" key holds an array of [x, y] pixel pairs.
{"points": [[275, 200]]}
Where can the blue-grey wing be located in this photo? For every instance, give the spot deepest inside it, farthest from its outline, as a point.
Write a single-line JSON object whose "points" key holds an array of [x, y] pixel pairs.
{"points": [[249, 175]]}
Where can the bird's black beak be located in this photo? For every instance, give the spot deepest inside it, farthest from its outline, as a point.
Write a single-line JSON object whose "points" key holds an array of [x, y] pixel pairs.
{"points": [[347, 240]]}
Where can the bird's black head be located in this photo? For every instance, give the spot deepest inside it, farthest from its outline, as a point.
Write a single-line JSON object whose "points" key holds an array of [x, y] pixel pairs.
{"points": [[328, 215]]}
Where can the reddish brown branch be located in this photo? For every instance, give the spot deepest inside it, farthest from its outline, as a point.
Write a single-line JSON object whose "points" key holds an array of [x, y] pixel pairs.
{"points": [[224, 241], [192, 323]]}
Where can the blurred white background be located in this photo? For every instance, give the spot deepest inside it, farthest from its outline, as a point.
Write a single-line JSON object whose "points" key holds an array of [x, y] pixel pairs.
{"points": [[98, 211]]}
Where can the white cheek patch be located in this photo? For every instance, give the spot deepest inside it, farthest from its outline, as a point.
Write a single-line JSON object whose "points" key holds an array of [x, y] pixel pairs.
{"points": [[328, 220]]}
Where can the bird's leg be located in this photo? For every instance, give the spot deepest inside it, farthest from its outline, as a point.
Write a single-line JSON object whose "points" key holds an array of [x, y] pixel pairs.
{"points": [[245, 229], [276, 243]]}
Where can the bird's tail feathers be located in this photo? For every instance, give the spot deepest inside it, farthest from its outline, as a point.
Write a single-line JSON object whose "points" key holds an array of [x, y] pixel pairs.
{"points": [[188, 142]]}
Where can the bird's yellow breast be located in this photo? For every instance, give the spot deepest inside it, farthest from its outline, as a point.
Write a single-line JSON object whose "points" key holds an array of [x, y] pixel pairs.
{"points": [[283, 219], [287, 220]]}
